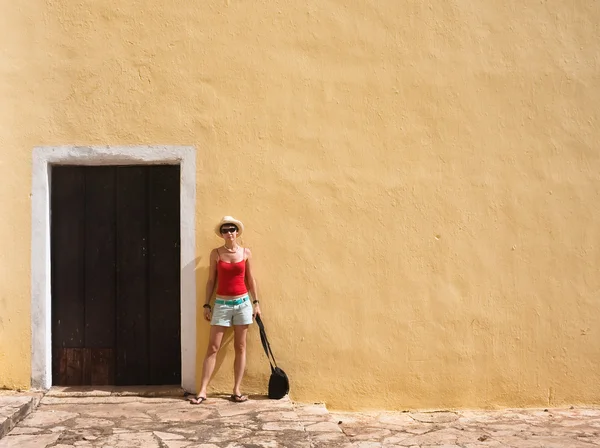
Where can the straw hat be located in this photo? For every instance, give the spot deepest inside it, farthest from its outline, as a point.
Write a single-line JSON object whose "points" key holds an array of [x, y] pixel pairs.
{"points": [[229, 220]]}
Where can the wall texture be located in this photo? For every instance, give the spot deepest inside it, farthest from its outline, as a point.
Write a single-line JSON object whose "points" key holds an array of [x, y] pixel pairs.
{"points": [[420, 180]]}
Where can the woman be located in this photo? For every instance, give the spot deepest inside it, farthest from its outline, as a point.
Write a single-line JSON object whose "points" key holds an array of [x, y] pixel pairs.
{"points": [[231, 273]]}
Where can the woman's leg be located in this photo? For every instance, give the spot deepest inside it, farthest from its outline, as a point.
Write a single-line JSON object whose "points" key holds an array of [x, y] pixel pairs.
{"points": [[214, 343], [239, 342]]}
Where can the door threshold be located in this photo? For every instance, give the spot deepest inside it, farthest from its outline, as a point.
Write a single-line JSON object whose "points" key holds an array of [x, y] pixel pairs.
{"points": [[116, 391]]}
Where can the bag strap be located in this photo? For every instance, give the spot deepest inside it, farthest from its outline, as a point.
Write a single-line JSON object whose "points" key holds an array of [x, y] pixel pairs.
{"points": [[265, 343]]}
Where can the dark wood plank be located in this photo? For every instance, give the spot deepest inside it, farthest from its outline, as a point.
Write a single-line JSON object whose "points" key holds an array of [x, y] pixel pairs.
{"points": [[132, 257], [67, 201], [74, 366], [100, 257], [59, 378], [86, 368], [71, 367], [103, 366], [164, 315]]}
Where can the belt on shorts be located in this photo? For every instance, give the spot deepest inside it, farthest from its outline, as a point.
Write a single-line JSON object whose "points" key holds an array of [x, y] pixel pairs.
{"points": [[232, 302]]}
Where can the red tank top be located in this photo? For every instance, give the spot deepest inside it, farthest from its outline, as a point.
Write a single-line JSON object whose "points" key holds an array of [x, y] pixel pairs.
{"points": [[230, 277]]}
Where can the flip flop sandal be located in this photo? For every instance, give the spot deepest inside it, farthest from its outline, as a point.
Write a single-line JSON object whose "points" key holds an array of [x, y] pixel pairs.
{"points": [[198, 400], [239, 398]]}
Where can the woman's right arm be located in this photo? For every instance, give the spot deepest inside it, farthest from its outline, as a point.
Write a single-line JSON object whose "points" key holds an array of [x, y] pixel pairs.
{"points": [[210, 283]]}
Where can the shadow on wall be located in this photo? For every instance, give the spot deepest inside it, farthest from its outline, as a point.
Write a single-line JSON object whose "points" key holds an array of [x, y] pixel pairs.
{"points": [[203, 327]]}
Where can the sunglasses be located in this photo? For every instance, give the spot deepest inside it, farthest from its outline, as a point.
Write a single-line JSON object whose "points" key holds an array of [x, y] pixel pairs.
{"points": [[228, 230]]}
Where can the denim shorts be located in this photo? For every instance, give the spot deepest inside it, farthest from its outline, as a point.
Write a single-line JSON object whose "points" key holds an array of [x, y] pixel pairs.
{"points": [[232, 312]]}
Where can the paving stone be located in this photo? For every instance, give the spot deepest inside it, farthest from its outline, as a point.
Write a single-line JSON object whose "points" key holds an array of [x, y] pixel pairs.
{"points": [[467, 416], [322, 437], [132, 440], [587, 412], [82, 391], [273, 416], [283, 426], [356, 430], [519, 442], [44, 419], [228, 434], [434, 417], [397, 420], [508, 429], [176, 443], [465, 437], [311, 409], [363, 444], [323, 427], [261, 441], [300, 441], [168, 436], [185, 430], [244, 421], [347, 418], [171, 422], [486, 444], [272, 434], [28, 441], [309, 419], [25, 430], [417, 430], [8, 404], [124, 410], [396, 439], [241, 409], [85, 400], [121, 430], [189, 414], [441, 446], [442, 436], [373, 434], [92, 422], [135, 424], [114, 391]]}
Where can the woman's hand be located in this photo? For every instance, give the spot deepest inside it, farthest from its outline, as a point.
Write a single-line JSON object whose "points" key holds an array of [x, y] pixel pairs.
{"points": [[256, 311], [207, 314]]}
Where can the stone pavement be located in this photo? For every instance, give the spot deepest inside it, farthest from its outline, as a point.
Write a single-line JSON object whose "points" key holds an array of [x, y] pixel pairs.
{"points": [[14, 406], [129, 421]]}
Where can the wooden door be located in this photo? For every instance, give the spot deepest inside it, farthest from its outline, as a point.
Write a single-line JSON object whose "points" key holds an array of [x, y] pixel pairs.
{"points": [[115, 275]]}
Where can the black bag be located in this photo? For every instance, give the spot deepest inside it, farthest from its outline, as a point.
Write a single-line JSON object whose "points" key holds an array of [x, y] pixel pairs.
{"points": [[279, 385]]}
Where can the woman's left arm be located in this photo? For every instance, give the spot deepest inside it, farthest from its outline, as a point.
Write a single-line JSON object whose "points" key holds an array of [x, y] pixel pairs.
{"points": [[251, 283]]}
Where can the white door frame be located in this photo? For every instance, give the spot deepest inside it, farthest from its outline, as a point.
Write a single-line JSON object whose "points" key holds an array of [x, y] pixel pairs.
{"points": [[41, 301]]}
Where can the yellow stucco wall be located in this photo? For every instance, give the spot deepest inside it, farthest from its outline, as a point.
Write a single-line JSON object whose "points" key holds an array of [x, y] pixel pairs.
{"points": [[420, 180]]}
